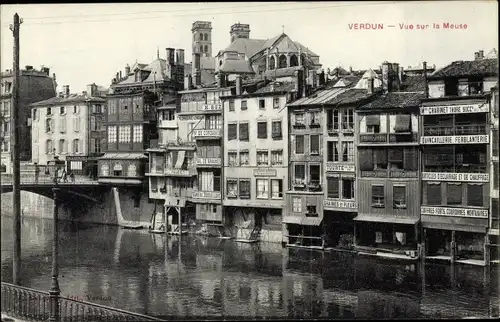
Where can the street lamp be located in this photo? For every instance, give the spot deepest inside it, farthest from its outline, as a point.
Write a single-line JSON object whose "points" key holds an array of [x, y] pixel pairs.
{"points": [[54, 289]]}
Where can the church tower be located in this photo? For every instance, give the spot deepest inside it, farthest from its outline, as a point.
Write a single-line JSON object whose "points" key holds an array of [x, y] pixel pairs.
{"points": [[202, 38]]}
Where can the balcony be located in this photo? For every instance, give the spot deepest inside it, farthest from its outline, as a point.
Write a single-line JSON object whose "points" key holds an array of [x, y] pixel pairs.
{"points": [[331, 129], [314, 125], [207, 134], [402, 137], [299, 125], [208, 162], [314, 185], [206, 195], [373, 138], [455, 130]]}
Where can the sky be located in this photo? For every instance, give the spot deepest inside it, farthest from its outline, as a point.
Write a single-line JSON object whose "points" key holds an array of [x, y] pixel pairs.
{"points": [[87, 43]]}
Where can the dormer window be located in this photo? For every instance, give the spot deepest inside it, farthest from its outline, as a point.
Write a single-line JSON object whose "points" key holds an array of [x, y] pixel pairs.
{"points": [[475, 86]]}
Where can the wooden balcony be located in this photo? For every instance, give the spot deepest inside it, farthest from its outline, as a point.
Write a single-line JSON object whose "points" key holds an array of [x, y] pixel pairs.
{"points": [[402, 137]]}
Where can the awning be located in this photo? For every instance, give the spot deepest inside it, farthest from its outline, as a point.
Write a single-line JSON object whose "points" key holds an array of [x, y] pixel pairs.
{"points": [[311, 221], [123, 156], [373, 120], [402, 123], [387, 219], [180, 159], [456, 227], [292, 220]]}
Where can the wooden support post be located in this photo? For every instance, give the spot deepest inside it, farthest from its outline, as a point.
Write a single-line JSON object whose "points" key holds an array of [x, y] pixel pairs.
{"points": [[453, 247], [486, 250], [424, 244], [180, 220], [354, 237]]}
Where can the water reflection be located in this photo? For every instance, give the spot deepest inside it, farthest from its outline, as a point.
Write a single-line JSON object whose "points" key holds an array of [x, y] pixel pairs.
{"points": [[168, 276]]}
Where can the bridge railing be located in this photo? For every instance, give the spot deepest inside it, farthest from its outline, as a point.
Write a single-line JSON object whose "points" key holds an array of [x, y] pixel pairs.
{"points": [[26, 303], [43, 179]]}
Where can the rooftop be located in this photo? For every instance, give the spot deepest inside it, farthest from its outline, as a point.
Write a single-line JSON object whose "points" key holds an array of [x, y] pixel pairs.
{"points": [[394, 100], [350, 96], [72, 98], [319, 98], [481, 67], [276, 87]]}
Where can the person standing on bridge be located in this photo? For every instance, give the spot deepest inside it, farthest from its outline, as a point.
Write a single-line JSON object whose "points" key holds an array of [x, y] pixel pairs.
{"points": [[64, 175], [37, 172]]}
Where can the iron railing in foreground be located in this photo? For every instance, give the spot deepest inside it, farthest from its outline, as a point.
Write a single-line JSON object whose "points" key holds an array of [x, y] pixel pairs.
{"points": [[33, 305]]}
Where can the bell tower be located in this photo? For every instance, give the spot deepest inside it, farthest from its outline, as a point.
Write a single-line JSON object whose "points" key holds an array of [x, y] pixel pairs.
{"points": [[202, 38]]}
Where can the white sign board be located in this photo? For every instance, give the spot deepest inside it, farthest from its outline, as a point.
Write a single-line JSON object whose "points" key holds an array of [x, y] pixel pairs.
{"points": [[449, 176], [455, 109], [339, 204], [205, 133], [209, 161], [454, 212], [206, 194], [177, 172], [460, 139], [340, 167], [212, 107]]}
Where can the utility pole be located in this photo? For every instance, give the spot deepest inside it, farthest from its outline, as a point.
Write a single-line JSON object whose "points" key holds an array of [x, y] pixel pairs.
{"points": [[14, 144]]}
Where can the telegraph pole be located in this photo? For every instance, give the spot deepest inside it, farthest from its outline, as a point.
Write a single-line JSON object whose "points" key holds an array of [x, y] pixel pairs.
{"points": [[14, 152]]}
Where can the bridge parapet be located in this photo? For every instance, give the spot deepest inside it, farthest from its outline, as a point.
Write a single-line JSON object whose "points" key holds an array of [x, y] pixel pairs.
{"points": [[33, 305]]}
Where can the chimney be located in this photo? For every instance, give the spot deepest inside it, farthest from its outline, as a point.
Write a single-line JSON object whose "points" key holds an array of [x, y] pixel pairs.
{"points": [[401, 74], [170, 56], [370, 85], [223, 80], [121, 75], [304, 83], [481, 54], [188, 82], [476, 55], [296, 80], [28, 67], [118, 79], [92, 89], [386, 77], [322, 78], [46, 70], [238, 84], [61, 94], [350, 70], [426, 88], [196, 72], [54, 76], [394, 76], [66, 90], [179, 56], [127, 70]]}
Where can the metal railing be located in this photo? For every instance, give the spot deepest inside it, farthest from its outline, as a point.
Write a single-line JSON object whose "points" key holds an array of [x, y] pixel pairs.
{"points": [[45, 179], [33, 305]]}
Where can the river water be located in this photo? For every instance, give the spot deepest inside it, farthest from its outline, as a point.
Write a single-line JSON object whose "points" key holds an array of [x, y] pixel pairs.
{"points": [[198, 277]]}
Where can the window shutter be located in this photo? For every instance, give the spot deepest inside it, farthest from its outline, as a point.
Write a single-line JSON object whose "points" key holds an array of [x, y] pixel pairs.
{"points": [[366, 159]]}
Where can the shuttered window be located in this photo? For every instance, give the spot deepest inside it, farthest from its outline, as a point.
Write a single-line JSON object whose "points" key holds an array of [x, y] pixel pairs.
{"points": [[314, 144], [245, 189], [410, 159], [299, 144], [396, 158], [403, 123], [262, 130], [243, 131], [333, 187], [475, 195], [276, 130], [434, 193], [366, 159], [232, 132], [454, 193]]}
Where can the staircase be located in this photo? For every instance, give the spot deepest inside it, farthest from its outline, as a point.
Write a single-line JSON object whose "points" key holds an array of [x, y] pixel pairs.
{"points": [[255, 234]]}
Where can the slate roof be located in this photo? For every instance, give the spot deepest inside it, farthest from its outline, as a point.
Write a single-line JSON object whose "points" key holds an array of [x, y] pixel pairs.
{"points": [[207, 77], [394, 100], [72, 98], [247, 46], [482, 67], [236, 66], [349, 96], [413, 83], [319, 98]]}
